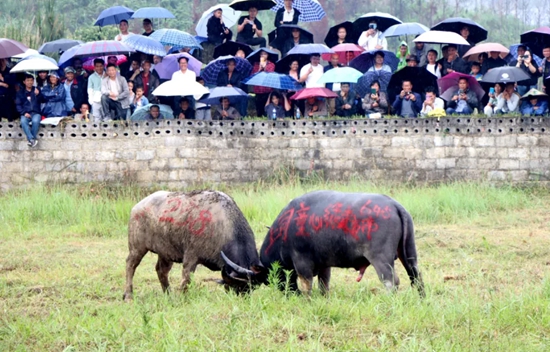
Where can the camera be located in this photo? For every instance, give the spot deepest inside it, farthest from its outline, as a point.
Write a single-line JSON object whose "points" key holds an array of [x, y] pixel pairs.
{"points": [[460, 92], [372, 26], [525, 57]]}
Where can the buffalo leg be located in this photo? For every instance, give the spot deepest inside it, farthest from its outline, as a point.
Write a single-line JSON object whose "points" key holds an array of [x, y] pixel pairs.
{"points": [[132, 262], [386, 272], [163, 269], [305, 284], [324, 280], [189, 266]]}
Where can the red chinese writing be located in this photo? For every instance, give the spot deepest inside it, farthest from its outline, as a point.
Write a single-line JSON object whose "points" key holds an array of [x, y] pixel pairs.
{"points": [[196, 224]]}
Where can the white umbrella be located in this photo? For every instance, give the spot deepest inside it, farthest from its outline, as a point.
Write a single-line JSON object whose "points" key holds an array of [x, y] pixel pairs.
{"points": [[441, 37], [229, 16], [178, 89], [34, 64], [26, 54]]}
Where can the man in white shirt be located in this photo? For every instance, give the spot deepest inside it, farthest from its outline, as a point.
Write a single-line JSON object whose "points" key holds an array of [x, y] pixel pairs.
{"points": [[431, 103], [123, 26], [372, 39], [508, 101], [184, 74], [312, 72]]}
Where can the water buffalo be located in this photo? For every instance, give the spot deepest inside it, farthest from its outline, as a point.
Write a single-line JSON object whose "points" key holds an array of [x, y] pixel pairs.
{"points": [[325, 229], [190, 228]]}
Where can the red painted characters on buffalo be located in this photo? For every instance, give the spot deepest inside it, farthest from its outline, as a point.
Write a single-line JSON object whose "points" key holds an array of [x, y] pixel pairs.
{"points": [[196, 224]]}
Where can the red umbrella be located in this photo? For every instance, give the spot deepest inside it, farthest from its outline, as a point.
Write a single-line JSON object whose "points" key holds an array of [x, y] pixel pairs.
{"points": [[314, 93], [342, 51], [472, 54], [9, 48]]}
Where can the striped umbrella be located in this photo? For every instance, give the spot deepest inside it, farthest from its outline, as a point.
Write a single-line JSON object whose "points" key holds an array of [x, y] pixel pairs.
{"points": [[145, 45], [174, 37], [211, 71], [273, 80], [89, 63], [310, 10]]}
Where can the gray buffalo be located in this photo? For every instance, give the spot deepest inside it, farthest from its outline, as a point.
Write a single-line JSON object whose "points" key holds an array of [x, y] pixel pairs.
{"points": [[191, 228], [325, 229]]}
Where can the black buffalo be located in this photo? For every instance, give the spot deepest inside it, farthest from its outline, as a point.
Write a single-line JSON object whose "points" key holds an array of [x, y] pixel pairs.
{"points": [[325, 229]]}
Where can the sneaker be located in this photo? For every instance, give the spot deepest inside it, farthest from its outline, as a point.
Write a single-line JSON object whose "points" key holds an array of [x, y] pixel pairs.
{"points": [[34, 143], [29, 143]]}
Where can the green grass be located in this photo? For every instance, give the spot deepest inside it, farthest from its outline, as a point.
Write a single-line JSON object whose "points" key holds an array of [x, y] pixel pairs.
{"points": [[484, 254]]}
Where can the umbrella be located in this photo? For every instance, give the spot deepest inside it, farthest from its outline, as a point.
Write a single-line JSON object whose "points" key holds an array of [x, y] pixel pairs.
{"points": [[537, 39], [313, 93], [99, 48], [419, 77], [340, 75], [175, 89], [255, 55], [363, 84], [310, 10], [59, 45], [40, 56], [383, 21], [113, 15], [9, 48], [234, 94], [34, 64], [229, 16], [513, 55], [231, 48], [283, 65], [140, 113], [26, 54], [534, 93], [342, 51], [473, 53], [448, 85], [332, 36], [211, 71], [278, 37], [170, 64], [455, 24], [308, 49], [505, 74], [145, 45], [177, 38], [273, 80], [408, 28], [89, 63], [244, 5], [153, 12], [441, 37], [366, 60]]}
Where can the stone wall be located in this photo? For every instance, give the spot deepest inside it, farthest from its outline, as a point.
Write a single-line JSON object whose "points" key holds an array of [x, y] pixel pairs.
{"points": [[179, 153]]}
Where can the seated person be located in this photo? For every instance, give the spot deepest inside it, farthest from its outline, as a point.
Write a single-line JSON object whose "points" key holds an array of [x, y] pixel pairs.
{"points": [[508, 102], [464, 101], [139, 100], [295, 39], [154, 114], [84, 114], [286, 14], [27, 101], [315, 108], [379, 64], [186, 112], [225, 111], [202, 111], [217, 31], [432, 105], [412, 61], [476, 71], [407, 103], [534, 106], [345, 102], [376, 101], [115, 95], [54, 97], [250, 29], [494, 94], [273, 106]]}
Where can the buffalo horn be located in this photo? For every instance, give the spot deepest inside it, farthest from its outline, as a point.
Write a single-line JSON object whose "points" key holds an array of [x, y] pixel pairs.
{"points": [[235, 267]]}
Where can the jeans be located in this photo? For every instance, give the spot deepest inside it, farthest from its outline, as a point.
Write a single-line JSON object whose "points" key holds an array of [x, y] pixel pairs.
{"points": [[203, 114], [31, 132], [524, 89], [109, 104], [253, 41], [466, 111], [242, 107], [97, 112]]}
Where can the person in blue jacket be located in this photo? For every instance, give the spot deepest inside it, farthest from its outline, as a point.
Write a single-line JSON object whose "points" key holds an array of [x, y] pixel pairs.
{"points": [[534, 104], [407, 103], [27, 102], [54, 97]]}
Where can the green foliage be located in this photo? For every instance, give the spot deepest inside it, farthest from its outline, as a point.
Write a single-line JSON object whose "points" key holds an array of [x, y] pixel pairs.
{"points": [[93, 33]]}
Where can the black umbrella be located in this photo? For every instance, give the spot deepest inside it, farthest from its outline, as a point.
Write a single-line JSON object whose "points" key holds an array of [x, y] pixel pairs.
{"points": [[332, 37], [255, 55], [59, 45], [231, 48], [505, 74], [383, 21], [244, 5], [419, 77], [278, 36], [283, 65], [537, 39], [455, 24]]}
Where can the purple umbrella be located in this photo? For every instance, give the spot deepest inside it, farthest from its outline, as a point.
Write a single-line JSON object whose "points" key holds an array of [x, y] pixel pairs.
{"points": [[101, 48], [448, 85], [170, 64], [367, 59], [210, 72], [9, 48]]}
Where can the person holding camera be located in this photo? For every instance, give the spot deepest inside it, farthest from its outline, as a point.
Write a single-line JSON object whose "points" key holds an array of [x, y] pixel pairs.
{"points": [[494, 95], [529, 66], [372, 38], [249, 29], [432, 104], [375, 101], [464, 101], [407, 103]]}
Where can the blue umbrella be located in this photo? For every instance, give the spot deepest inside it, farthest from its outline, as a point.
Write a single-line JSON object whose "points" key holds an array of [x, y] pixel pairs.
{"points": [[308, 49], [211, 71], [177, 38], [273, 80], [410, 28], [145, 45], [310, 10], [140, 113], [513, 55], [153, 12], [235, 95], [366, 60], [59, 45], [363, 84], [340, 75], [113, 15]]}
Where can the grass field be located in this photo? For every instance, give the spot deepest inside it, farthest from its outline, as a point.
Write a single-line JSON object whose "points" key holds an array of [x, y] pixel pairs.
{"points": [[484, 253]]}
